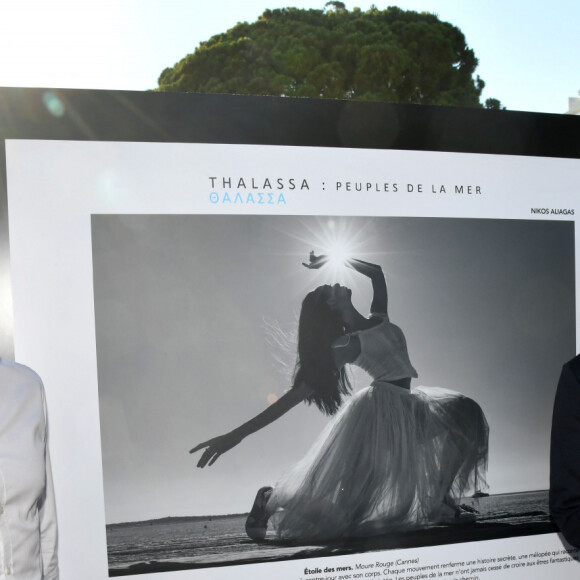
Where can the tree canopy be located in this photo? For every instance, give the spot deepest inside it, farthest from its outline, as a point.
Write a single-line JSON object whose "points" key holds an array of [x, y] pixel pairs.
{"points": [[389, 55]]}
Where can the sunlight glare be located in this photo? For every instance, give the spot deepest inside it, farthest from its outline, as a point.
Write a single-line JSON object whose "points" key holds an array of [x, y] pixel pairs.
{"points": [[338, 254], [338, 244]]}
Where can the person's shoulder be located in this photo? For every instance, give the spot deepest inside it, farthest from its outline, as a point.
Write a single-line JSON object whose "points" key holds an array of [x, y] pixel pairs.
{"points": [[381, 315], [380, 319], [21, 373], [574, 366]]}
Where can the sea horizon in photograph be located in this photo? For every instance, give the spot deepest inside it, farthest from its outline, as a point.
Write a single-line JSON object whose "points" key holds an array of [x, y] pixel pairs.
{"points": [[174, 543]]}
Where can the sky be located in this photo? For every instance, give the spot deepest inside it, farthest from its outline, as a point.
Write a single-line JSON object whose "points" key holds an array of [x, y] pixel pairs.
{"points": [[185, 308], [527, 52]]}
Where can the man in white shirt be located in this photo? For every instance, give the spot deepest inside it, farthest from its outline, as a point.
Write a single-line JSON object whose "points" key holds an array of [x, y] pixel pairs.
{"points": [[28, 536]]}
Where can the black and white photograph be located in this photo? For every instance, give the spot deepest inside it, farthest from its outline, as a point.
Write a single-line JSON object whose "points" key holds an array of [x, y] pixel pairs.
{"points": [[281, 387]]}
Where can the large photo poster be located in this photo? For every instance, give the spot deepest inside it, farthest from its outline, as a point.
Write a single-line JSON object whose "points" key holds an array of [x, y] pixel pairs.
{"points": [[199, 314], [158, 290]]}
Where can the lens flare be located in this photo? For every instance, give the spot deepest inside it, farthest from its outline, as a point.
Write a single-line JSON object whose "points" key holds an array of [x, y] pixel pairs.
{"points": [[54, 105]]}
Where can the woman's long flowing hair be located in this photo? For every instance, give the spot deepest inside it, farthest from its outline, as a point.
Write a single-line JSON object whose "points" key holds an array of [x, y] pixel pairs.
{"points": [[318, 327]]}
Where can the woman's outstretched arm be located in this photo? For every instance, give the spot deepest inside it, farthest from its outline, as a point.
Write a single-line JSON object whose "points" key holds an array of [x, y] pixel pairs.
{"points": [[219, 445], [380, 301]]}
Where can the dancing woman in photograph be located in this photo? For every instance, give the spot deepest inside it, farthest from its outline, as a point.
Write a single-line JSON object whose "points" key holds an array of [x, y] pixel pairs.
{"points": [[392, 458]]}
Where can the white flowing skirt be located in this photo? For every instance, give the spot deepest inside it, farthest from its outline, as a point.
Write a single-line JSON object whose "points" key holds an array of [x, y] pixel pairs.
{"points": [[384, 463]]}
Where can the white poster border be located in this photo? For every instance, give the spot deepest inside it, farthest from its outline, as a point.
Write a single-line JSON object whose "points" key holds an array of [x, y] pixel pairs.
{"points": [[55, 186]]}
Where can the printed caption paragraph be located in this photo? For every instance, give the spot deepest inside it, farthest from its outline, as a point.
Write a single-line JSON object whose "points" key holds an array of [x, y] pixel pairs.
{"points": [[413, 569]]}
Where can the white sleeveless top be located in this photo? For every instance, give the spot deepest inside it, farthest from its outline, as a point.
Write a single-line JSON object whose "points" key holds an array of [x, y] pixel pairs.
{"points": [[384, 353]]}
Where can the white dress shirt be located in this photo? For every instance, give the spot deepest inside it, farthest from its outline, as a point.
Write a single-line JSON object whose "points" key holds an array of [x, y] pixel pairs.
{"points": [[28, 538]]}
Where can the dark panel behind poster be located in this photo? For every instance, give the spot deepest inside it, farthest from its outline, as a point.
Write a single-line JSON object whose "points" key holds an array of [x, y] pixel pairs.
{"points": [[151, 281]]}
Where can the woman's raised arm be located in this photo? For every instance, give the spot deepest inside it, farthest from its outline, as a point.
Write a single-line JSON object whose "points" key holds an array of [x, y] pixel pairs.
{"points": [[380, 301], [219, 445]]}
